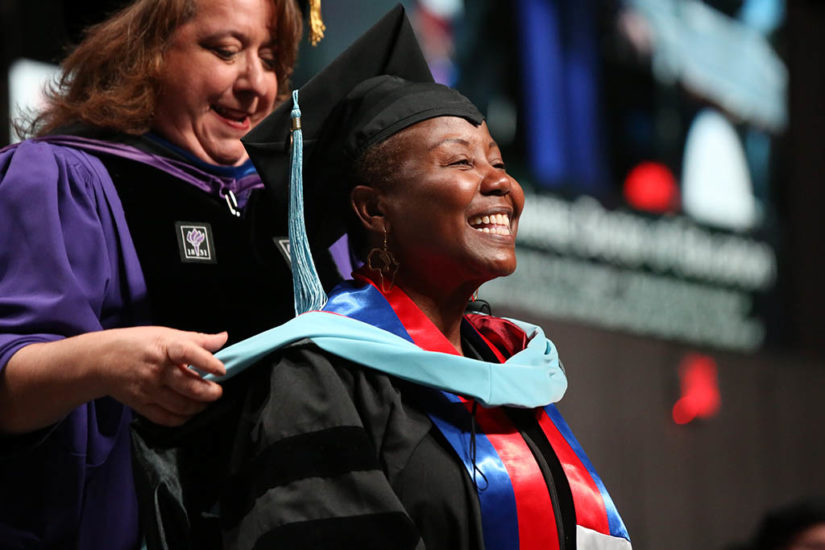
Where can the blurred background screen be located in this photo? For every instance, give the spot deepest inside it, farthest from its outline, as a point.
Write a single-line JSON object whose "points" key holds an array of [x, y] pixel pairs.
{"points": [[646, 134]]}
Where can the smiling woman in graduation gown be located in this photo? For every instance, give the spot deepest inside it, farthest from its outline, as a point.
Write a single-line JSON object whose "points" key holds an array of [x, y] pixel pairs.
{"points": [[385, 416]]}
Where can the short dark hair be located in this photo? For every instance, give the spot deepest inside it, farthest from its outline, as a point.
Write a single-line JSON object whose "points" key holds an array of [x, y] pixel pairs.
{"points": [[375, 167]]}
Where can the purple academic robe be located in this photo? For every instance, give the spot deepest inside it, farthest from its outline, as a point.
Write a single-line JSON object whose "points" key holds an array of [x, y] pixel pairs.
{"points": [[67, 266]]}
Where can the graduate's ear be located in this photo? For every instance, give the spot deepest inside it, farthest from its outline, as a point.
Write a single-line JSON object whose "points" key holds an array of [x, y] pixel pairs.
{"points": [[366, 201]]}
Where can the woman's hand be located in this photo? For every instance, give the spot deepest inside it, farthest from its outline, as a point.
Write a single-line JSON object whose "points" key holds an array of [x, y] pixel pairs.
{"points": [[146, 368], [142, 367]]}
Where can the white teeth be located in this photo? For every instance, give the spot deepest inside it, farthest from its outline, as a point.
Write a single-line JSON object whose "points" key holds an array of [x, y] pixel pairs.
{"points": [[498, 224]]}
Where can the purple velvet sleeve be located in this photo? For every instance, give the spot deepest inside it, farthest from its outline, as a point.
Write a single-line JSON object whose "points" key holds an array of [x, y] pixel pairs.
{"points": [[67, 265]]}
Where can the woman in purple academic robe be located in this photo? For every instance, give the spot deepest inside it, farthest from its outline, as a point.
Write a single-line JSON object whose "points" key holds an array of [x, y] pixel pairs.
{"points": [[131, 211]]}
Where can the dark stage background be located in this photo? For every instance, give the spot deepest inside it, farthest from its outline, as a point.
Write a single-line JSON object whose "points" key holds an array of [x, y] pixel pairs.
{"points": [[672, 152]]}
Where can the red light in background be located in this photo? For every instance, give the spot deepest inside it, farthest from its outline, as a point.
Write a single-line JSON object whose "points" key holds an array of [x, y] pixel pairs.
{"points": [[651, 187], [700, 389]]}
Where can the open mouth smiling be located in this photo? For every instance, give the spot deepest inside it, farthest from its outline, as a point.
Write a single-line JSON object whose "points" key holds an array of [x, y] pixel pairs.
{"points": [[498, 224], [231, 115]]}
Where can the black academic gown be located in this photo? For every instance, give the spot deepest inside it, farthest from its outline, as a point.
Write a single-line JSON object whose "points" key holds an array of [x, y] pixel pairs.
{"points": [[313, 451]]}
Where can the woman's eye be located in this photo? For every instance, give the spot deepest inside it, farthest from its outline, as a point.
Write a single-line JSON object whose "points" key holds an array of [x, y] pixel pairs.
{"points": [[223, 53], [461, 162], [270, 63]]}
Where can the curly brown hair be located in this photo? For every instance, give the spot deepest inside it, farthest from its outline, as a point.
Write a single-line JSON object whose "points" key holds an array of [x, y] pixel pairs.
{"points": [[111, 79]]}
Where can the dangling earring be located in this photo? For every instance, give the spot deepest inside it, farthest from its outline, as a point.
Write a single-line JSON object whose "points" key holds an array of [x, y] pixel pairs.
{"points": [[382, 261]]}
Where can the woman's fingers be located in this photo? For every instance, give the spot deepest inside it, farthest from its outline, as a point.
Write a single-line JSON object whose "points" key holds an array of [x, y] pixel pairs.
{"points": [[159, 415], [196, 349], [177, 404], [214, 342], [183, 393], [178, 398], [188, 384]]}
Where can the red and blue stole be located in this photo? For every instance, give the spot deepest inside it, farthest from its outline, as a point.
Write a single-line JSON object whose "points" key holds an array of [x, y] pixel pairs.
{"points": [[516, 506]]}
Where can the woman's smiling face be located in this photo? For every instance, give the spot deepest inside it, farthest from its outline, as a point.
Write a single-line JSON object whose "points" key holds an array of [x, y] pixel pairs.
{"points": [[218, 80], [452, 209]]}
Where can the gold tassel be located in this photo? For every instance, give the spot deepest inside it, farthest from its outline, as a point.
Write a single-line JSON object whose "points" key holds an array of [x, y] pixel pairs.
{"points": [[316, 25]]}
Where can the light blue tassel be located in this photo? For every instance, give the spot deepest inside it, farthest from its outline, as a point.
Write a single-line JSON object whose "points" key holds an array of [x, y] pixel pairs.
{"points": [[306, 285]]}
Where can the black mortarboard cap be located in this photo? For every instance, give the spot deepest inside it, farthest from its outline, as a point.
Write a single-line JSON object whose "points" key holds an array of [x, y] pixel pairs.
{"points": [[388, 47], [380, 85]]}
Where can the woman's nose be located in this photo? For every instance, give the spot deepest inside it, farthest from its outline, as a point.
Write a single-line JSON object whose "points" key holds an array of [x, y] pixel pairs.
{"points": [[496, 182], [253, 77]]}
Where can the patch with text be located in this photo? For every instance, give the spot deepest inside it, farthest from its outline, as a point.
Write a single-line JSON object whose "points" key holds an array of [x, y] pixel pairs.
{"points": [[195, 242]]}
